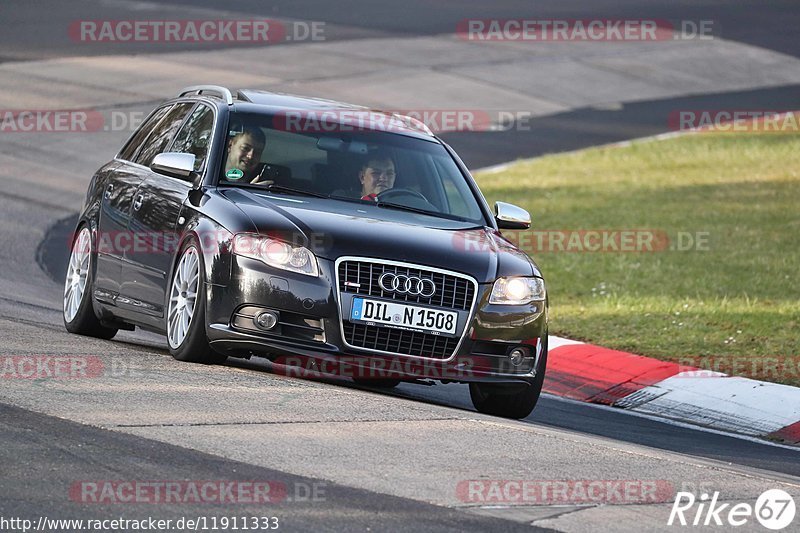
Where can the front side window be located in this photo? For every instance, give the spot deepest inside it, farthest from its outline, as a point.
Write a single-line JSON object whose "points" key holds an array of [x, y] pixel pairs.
{"points": [[162, 134], [195, 136], [133, 145], [344, 163]]}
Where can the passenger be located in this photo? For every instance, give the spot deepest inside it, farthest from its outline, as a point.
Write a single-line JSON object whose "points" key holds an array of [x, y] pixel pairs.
{"points": [[377, 175], [244, 154]]}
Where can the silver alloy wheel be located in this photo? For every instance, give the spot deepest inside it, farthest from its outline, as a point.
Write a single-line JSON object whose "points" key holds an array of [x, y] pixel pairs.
{"points": [[77, 273], [183, 297]]}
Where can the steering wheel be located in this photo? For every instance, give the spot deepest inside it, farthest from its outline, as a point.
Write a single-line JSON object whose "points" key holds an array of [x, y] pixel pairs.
{"points": [[389, 193], [411, 198]]}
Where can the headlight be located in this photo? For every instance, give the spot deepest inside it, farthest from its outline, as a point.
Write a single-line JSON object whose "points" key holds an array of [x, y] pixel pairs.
{"points": [[517, 291], [276, 253]]}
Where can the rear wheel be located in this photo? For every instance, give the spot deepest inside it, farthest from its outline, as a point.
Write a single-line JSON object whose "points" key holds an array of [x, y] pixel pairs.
{"points": [[510, 401], [186, 316], [78, 314]]}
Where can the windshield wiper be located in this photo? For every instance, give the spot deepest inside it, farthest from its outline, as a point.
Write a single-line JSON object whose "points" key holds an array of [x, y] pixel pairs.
{"points": [[281, 188]]}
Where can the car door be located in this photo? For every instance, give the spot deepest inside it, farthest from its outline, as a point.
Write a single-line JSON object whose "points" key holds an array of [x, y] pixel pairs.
{"points": [[156, 209], [115, 207]]}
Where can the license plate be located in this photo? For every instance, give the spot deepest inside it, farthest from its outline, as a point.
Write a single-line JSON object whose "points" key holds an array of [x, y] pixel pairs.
{"points": [[403, 316]]}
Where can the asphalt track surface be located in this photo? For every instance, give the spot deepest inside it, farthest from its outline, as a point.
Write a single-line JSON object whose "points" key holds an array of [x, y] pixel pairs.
{"points": [[35, 29], [45, 452], [41, 454]]}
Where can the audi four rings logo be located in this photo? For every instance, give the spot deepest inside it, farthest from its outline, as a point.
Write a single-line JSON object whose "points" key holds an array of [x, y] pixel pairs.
{"points": [[403, 284]]}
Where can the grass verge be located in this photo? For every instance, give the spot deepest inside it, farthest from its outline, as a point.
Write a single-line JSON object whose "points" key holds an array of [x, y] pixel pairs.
{"points": [[714, 222]]}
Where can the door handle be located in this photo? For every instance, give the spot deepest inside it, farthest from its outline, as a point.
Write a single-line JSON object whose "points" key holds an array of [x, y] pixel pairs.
{"points": [[137, 204], [109, 190]]}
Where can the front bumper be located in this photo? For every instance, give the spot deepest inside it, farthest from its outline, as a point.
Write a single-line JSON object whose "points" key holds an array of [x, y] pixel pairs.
{"points": [[309, 336]]}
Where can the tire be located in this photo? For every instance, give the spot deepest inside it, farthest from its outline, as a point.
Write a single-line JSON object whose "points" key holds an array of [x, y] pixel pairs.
{"points": [[386, 383], [509, 401], [185, 319], [77, 310]]}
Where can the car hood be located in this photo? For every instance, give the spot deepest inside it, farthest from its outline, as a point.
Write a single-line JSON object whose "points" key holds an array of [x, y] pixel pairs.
{"points": [[332, 229]]}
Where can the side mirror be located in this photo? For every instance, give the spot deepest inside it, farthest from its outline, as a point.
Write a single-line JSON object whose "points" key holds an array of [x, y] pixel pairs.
{"points": [[509, 216], [175, 164]]}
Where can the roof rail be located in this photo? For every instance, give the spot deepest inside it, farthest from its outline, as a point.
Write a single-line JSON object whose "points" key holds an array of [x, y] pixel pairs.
{"points": [[415, 123], [199, 89]]}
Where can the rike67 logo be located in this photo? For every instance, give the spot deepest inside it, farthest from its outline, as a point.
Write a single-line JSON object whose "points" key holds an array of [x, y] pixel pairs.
{"points": [[774, 509]]}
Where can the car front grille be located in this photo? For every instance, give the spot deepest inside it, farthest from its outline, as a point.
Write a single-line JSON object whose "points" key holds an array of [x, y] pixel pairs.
{"points": [[361, 277], [453, 292]]}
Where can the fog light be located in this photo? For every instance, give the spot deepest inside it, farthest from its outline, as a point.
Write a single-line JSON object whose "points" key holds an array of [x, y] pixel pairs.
{"points": [[266, 320], [516, 356]]}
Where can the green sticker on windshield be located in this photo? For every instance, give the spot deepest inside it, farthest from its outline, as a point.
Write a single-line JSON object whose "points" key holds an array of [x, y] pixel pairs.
{"points": [[234, 174]]}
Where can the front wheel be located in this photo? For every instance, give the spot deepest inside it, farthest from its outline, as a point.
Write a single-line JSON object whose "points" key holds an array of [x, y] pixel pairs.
{"points": [[510, 401], [186, 316], [78, 315]]}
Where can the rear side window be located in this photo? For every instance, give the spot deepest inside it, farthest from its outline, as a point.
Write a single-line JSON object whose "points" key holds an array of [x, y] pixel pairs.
{"points": [[195, 136], [133, 145], [159, 138]]}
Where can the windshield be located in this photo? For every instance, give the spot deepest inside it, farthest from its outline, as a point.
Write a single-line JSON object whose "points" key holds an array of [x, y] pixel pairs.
{"points": [[387, 170]]}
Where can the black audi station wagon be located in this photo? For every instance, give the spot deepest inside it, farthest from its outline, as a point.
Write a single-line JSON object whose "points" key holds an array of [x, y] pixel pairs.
{"points": [[316, 234]]}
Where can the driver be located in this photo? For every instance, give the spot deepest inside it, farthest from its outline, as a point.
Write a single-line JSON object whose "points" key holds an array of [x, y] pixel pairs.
{"points": [[377, 175]]}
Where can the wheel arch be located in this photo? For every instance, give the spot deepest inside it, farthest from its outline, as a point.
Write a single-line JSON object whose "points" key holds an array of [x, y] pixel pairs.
{"points": [[214, 242]]}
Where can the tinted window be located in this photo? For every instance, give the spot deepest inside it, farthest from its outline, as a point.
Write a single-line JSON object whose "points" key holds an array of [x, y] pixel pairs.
{"points": [[455, 190], [348, 162], [133, 145], [163, 133], [195, 136], [297, 152]]}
